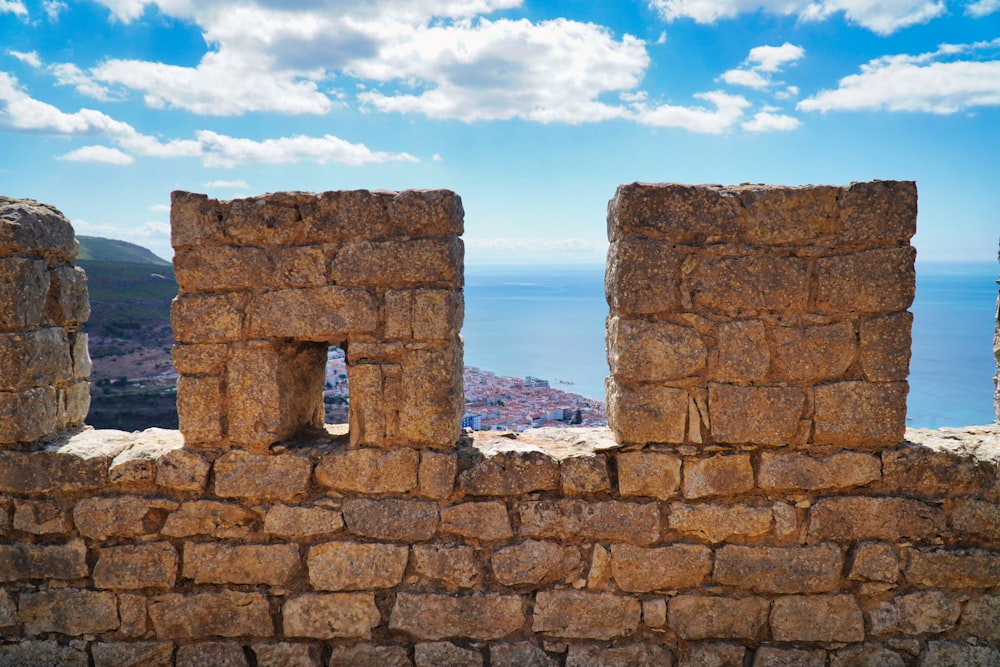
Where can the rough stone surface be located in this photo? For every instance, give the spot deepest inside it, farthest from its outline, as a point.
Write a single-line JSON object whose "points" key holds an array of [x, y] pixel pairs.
{"points": [[133, 654], [794, 619], [432, 654], [285, 654], [391, 519], [370, 470], [608, 521], [199, 615], [639, 569], [708, 617], [509, 474], [860, 518], [330, 615], [958, 654], [786, 471], [640, 655], [648, 474], [875, 562], [717, 476], [585, 615], [222, 654], [711, 655], [536, 562], [244, 475], [369, 654], [480, 616], [716, 523], [68, 611], [270, 564], [952, 569], [134, 566], [38, 652], [452, 565], [30, 561], [208, 517], [350, 566], [479, 520], [779, 569], [914, 614], [519, 654], [770, 656], [299, 522]]}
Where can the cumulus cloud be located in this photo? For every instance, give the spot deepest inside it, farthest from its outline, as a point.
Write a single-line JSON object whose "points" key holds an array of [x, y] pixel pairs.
{"points": [[28, 58], [728, 109], [160, 208], [53, 8], [982, 8], [13, 7], [68, 74], [762, 62], [769, 121], [936, 82], [879, 16], [102, 154]]}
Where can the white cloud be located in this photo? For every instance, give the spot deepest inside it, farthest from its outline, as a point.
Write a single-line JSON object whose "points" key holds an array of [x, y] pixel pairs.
{"points": [[219, 150], [982, 8], [102, 154], [728, 110], [53, 8], [773, 58], [880, 16], [27, 57], [68, 74], [160, 208], [241, 185], [927, 82], [13, 7], [744, 77], [768, 121]]}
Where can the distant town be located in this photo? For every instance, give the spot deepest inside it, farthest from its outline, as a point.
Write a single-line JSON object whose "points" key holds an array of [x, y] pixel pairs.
{"points": [[492, 402]]}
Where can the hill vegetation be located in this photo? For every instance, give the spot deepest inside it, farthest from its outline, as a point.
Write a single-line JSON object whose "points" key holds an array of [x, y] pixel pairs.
{"points": [[112, 250]]}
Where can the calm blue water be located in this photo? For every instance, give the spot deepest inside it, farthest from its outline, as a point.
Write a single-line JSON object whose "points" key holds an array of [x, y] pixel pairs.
{"points": [[549, 322]]}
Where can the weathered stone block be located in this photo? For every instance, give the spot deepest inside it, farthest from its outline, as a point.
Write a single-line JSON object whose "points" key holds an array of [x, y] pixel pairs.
{"points": [[432, 654], [636, 655], [654, 474], [486, 521], [584, 475], [100, 518], [794, 619], [267, 220], [644, 351], [866, 655], [132, 566], [214, 563], [436, 474], [208, 517], [860, 413], [217, 654], [710, 617], [45, 472], [640, 569], [416, 263], [423, 314], [642, 277], [976, 517], [680, 213], [519, 654], [24, 286], [862, 518], [654, 613], [740, 353], [42, 653], [606, 521], [585, 615], [133, 654], [241, 474], [132, 610], [223, 268], [794, 471], [757, 415], [812, 354], [715, 654], [981, 619], [873, 281], [37, 561], [40, 517], [431, 399], [749, 284], [716, 523], [199, 409], [952, 568], [536, 562], [477, 616], [510, 474], [879, 212], [323, 314], [885, 347], [29, 415], [33, 228], [875, 562], [298, 522], [35, 358], [646, 413], [391, 518], [717, 476], [205, 359], [770, 656], [775, 215], [451, 565], [208, 318], [351, 566], [194, 219], [920, 472], [959, 653], [370, 470], [219, 614], [780, 569], [425, 213], [286, 654], [182, 470], [331, 615], [8, 609], [369, 654], [918, 613], [68, 611]]}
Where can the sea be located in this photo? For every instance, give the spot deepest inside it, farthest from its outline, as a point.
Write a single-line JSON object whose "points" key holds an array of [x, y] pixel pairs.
{"points": [[548, 322]]}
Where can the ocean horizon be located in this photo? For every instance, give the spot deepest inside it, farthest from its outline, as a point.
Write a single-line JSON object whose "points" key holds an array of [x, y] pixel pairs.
{"points": [[548, 322]]}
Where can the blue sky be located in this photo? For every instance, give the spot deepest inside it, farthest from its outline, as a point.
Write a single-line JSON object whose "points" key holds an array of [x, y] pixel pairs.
{"points": [[533, 111]]}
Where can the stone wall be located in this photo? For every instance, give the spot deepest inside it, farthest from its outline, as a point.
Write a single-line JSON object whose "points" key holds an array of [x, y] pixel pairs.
{"points": [[685, 546]]}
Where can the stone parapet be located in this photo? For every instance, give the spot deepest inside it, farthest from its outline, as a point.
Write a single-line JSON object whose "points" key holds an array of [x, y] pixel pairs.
{"points": [[760, 315]]}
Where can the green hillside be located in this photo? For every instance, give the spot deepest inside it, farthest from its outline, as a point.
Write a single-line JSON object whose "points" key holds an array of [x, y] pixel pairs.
{"points": [[111, 250]]}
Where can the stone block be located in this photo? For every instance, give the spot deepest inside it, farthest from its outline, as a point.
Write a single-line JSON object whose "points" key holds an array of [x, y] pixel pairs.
{"points": [[453, 566], [861, 518], [200, 409], [29, 415], [351, 566], [268, 220], [775, 215], [771, 656], [255, 564], [286, 654], [210, 614], [370, 470], [369, 654], [45, 472], [35, 358], [749, 284], [224, 268], [39, 652], [400, 263], [433, 654], [30, 227], [879, 212], [510, 474], [68, 612], [425, 213], [80, 352], [646, 413], [585, 475], [372, 386], [794, 619], [134, 566], [133, 654], [436, 474], [976, 517], [194, 219], [391, 518], [717, 523], [258, 477], [43, 561], [182, 470], [24, 286], [644, 351], [299, 522], [654, 613], [644, 473], [584, 615], [718, 476], [860, 413], [604, 521], [866, 655], [485, 521], [641, 569], [981, 619], [40, 517], [8, 609], [330, 216], [779, 569], [331, 615], [210, 518], [423, 314], [204, 359], [599, 575], [536, 563], [755, 415], [952, 569], [874, 562], [132, 610], [921, 472], [431, 400], [643, 277], [321, 314], [813, 354], [73, 404], [477, 616], [519, 654], [634, 654], [711, 617], [885, 347], [121, 516], [680, 213], [959, 653], [920, 613], [714, 654], [217, 654], [795, 471], [740, 354], [208, 318], [874, 282]]}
